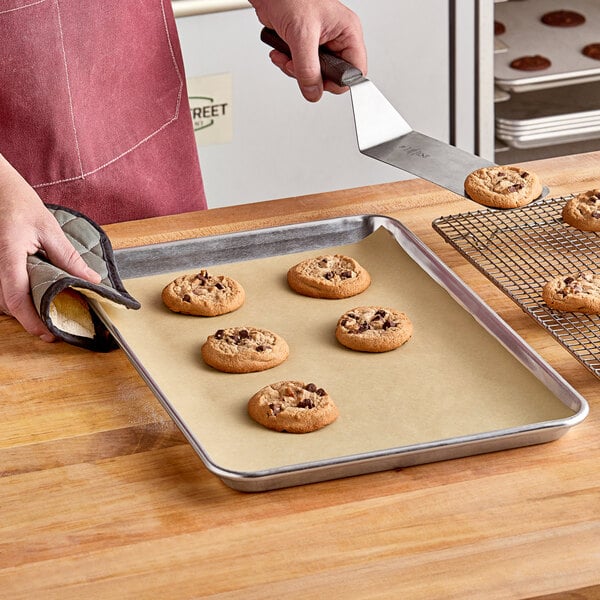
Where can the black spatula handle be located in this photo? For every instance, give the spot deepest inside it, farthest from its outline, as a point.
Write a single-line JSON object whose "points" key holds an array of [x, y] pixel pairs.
{"points": [[333, 67]]}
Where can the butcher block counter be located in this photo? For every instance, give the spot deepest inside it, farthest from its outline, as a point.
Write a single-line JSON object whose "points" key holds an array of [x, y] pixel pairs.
{"points": [[101, 496]]}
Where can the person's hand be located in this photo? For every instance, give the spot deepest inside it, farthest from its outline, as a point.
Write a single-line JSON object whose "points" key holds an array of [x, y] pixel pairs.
{"points": [[305, 25], [28, 227]]}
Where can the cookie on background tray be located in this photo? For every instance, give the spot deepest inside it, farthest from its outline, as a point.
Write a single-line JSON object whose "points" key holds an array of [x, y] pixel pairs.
{"points": [[583, 211], [373, 329], [244, 350], [292, 407], [533, 62], [563, 18], [330, 276], [592, 50], [503, 186], [579, 292], [203, 294]]}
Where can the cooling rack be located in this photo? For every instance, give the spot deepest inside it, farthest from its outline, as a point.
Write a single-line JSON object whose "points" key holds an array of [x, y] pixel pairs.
{"points": [[519, 250]]}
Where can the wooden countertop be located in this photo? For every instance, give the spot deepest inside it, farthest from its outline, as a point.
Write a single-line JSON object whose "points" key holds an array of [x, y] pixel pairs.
{"points": [[102, 497]]}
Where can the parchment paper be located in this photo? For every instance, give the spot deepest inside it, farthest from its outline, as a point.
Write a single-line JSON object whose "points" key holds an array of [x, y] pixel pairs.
{"points": [[451, 379]]}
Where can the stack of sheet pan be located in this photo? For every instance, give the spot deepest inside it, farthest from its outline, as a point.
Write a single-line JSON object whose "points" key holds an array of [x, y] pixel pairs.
{"points": [[548, 117]]}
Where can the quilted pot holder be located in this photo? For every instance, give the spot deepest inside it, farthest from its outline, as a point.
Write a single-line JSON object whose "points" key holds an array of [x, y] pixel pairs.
{"points": [[62, 299]]}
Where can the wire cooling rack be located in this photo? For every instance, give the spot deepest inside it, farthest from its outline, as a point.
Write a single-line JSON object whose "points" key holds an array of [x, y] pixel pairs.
{"points": [[519, 250]]}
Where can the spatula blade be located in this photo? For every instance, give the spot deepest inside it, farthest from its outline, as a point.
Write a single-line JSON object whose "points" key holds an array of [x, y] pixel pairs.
{"points": [[383, 134]]}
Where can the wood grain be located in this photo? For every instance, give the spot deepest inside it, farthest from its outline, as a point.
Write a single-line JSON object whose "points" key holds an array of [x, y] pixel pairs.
{"points": [[101, 497]]}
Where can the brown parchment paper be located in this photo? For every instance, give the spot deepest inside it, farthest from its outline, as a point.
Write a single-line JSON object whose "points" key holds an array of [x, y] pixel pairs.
{"points": [[451, 379]]}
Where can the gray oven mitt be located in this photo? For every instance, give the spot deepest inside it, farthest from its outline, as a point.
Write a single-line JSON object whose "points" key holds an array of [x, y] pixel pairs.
{"points": [[62, 299]]}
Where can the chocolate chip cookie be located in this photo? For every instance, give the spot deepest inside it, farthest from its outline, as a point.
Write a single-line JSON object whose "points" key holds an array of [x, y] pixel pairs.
{"points": [[503, 186], [244, 350], [592, 51], [373, 329], [293, 407], [329, 276], [534, 62], [583, 211], [579, 292], [203, 294], [563, 18]]}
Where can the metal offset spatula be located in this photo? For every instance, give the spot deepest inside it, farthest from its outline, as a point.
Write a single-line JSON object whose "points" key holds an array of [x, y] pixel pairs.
{"points": [[383, 134]]}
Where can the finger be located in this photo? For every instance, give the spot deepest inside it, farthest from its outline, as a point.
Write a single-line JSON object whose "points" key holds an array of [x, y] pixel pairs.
{"points": [[15, 300], [61, 253], [283, 62], [305, 66]]}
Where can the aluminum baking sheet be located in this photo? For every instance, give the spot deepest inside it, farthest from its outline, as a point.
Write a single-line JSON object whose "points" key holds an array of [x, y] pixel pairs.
{"points": [[529, 139], [569, 104], [464, 384], [527, 35], [519, 251], [542, 128]]}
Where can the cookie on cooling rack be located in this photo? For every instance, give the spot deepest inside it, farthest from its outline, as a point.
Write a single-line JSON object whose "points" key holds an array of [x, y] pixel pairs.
{"points": [[503, 186], [579, 292], [583, 211]]}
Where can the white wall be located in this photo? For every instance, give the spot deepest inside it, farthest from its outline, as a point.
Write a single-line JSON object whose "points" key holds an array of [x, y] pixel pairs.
{"points": [[284, 146]]}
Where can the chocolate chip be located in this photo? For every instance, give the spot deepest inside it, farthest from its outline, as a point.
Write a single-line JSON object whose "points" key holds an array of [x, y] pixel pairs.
{"points": [[321, 392], [524, 175], [381, 312], [186, 298], [306, 403], [568, 280], [310, 387], [244, 334], [515, 188], [219, 334], [275, 408], [260, 348], [329, 275], [219, 286], [389, 323], [346, 274], [596, 214], [363, 327]]}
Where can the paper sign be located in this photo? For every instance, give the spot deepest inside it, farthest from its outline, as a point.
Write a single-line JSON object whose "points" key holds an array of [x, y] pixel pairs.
{"points": [[210, 100]]}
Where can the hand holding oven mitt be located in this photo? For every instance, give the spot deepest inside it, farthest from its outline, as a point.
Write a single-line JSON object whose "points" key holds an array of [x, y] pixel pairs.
{"points": [[62, 299]]}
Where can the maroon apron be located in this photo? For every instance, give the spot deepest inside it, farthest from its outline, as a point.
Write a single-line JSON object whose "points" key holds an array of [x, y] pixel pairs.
{"points": [[93, 106]]}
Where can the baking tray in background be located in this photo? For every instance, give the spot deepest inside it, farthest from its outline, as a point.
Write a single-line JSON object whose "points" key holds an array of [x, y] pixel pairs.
{"points": [[565, 105], [519, 250], [537, 119], [527, 35], [522, 140], [465, 383]]}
